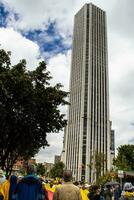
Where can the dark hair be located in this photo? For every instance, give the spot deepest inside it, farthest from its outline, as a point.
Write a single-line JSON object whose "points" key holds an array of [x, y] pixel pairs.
{"points": [[67, 175], [76, 183], [95, 187]]}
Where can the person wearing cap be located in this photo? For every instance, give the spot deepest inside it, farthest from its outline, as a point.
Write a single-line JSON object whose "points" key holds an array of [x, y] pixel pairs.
{"points": [[68, 190], [30, 187]]}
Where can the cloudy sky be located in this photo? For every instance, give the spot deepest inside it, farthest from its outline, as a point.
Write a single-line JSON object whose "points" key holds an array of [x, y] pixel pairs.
{"points": [[32, 29]]}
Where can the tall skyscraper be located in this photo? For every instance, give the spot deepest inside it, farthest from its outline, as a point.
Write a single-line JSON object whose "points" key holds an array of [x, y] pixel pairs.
{"points": [[88, 129]]}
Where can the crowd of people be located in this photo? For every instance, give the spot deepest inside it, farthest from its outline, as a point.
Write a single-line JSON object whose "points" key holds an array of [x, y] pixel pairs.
{"points": [[31, 187]]}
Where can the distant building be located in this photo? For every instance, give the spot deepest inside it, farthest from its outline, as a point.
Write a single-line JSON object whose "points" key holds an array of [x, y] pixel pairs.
{"points": [[21, 164], [88, 129], [57, 159], [32, 161], [48, 166]]}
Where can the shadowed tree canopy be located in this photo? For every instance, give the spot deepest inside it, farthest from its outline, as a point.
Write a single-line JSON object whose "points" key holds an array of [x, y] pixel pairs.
{"points": [[98, 161], [41, 169], [125, 157], [29, 109], [57, 170]]}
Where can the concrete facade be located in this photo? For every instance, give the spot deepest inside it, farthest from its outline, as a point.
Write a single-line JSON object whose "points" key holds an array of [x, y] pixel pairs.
{"points": [[88, 129]]}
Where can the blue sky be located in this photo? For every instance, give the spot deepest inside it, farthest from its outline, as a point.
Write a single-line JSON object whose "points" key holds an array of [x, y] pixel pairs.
{"points": [[3, 16], [31, 30], [48, 39]]}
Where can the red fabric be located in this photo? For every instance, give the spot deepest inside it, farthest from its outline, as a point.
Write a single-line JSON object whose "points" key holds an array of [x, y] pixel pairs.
{"points": [[50, 194]]}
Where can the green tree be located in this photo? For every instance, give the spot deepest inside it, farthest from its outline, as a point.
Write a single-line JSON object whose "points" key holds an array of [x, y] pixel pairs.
{"points": [[97, 163], [57, 170], [29, 110], [107, 177], [41, 170], [125, 157]]}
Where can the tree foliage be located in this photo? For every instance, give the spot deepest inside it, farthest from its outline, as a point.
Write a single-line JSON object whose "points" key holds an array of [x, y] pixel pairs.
{"points": [[107, 177], [57, 170], [29, 109], [125, 157], [97, 163], [41, 170]]}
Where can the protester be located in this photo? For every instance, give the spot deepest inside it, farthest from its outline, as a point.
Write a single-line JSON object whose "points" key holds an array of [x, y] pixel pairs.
{"points": [[8, 188], [45, 191], [2, 177], [84, 190], [94, 194], [30, 187], [117, 192], [108, 194], [2, 180], [68, 191], [102, 193], [128, 192]]}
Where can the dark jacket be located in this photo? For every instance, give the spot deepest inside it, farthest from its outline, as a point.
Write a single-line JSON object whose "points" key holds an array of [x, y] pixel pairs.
{"points": [[13, 184], [29, 188], [93, 196], [108, 194]]}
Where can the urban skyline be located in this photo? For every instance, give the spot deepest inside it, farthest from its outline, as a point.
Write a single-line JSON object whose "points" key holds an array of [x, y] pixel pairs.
{"points": [[49, 35]]}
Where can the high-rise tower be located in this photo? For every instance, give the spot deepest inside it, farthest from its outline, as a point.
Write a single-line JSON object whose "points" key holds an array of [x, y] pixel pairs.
{"points": [[88, 129]]}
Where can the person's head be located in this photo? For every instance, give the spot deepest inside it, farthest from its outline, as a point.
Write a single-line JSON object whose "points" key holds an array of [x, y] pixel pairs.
{"points": [[76, 183], [20, 177], [67, 175], [128, 186], [31, 169], [95, 188], [108, 187], [13, 179], [2, 177]]}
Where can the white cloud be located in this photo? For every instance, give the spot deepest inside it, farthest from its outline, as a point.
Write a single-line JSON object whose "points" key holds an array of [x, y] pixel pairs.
{"points": [[121, 19], [59, 65], [121, 72], [37, 15], [56, 142], [20, 47], [42, 12]]}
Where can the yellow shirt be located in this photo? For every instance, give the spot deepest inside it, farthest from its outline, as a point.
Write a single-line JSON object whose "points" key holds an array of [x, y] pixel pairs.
{"points": [[4, 189], [84, 194]]}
